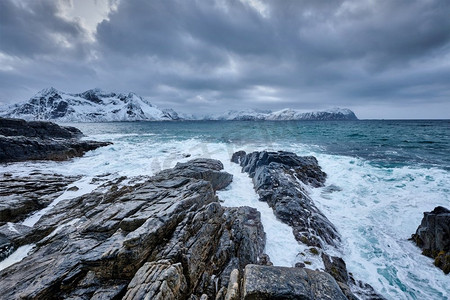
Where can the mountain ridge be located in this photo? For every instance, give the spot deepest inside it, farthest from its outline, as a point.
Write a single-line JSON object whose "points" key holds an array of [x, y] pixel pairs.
{"points": [[96, 105], [93, 105]]}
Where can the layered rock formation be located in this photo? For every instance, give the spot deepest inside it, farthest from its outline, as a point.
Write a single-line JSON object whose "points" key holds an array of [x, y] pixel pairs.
{"points": [[276, 176], [37, 140], [279, 179], [22, 195], [166, 238], [433, 237]]}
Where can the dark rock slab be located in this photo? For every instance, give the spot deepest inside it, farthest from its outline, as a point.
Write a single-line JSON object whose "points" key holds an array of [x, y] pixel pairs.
{"points": [[21, 140], [37, 129], [277, 177], [22, 195], [268, 282], [433, 237], [352, 288], [202, 168], [165, 238]]}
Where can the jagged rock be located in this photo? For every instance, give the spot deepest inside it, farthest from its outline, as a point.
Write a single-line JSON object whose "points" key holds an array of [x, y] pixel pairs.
{"points": [[336, 267], [21, 140], [12, 236], [202, 168], [22, 195], [268, 282], [165, 238], [37, 129], [277, 177], [6, 247], [433, 237], [171, 283], [233, 292]]}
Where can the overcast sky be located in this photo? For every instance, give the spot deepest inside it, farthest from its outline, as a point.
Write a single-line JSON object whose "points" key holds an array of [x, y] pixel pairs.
{"points": [[382, 59]]}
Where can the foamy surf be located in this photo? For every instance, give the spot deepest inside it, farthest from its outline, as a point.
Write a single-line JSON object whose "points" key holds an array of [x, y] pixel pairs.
{"points": [[375, 208]]}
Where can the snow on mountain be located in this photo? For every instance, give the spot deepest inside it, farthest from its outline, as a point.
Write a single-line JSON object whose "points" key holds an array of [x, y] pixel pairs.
{"points": [[285, 115], [243, 115], [98, 106], [90, 106], [334, 114]]}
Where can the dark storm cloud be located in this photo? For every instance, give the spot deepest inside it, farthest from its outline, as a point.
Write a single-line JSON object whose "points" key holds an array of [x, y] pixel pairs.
{"points": [[231, 54], [30, 28]]}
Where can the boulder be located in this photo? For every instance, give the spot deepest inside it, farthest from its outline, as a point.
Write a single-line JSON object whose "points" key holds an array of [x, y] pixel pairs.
{"points": [[202, 168], [269, 282], [433, 237]]}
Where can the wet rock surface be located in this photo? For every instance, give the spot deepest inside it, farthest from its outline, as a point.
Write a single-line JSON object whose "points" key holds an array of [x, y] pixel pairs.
{"points": [[279, 179], [159, 237], [37, 140], [268, 282], [433, 237], [276, 177], [166, 238], [22, 195]]}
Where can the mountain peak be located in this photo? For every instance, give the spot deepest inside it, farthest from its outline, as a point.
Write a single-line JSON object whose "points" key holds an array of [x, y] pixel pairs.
{"points": [[94, 105], [47, 91]]}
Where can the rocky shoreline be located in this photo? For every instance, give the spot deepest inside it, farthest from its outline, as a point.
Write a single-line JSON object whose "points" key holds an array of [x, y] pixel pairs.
{"points": [[38, 140], [168, 236], [165, 238]]}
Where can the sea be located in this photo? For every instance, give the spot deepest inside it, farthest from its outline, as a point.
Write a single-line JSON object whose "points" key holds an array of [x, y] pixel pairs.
{"points": [[382, 175]]}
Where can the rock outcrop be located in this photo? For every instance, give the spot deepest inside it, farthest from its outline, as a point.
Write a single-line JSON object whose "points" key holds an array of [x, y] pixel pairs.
{"points": [[21, 140], [268, 282], [276, 177], [22, 195], [279, 179], [166, 238], [433, 237]]}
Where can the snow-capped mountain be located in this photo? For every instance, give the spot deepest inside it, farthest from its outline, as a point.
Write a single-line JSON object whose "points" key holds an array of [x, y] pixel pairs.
{"points": [[335, 114], [287, 114], [99, 106], [243, 115], [91, 106]]}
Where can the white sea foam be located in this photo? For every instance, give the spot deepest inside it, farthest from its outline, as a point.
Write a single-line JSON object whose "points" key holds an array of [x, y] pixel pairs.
{"points": [[16, 256], [12, 228], [281, 245], [376, 210], [83, 186]]}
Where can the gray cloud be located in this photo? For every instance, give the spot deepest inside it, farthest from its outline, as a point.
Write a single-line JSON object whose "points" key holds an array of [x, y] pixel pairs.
{"points": [[215, 55]]}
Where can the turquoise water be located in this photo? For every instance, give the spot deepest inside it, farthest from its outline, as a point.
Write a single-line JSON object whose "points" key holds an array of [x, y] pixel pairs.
{"points": [[387, 173], [385, 143]]}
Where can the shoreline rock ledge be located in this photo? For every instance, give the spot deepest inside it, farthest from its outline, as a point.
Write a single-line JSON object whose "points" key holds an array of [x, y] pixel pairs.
{"points": [[433, 237], [165, 238], [39, 140]]}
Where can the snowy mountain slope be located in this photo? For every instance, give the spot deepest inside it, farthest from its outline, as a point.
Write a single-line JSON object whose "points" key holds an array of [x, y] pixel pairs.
{"points": [[234, 115], [285, 115], [99, 106], [335, 114], [91, 106]]}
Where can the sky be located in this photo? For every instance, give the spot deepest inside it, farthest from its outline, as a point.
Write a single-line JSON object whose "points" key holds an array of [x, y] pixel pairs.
{"points": [[383, 59]]}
